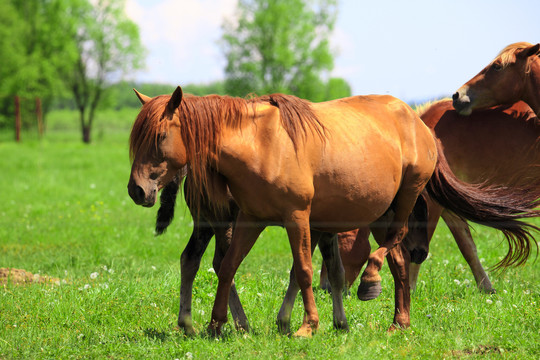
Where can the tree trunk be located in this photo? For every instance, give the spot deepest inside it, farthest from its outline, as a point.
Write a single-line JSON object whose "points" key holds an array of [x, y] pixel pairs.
{"points": [[86, 134]]}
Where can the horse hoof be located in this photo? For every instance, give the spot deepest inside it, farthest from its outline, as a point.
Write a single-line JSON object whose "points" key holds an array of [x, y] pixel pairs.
{"points": [[341, 325], [214, 329], [305, 331], [369, 290], [284, 328]]}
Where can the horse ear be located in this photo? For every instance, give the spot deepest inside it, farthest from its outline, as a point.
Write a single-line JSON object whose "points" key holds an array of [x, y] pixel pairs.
{"points": [[142, 98], [175, 100], [530, 51]]}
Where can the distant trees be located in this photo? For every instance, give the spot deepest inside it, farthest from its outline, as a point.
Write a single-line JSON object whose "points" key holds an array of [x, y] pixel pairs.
{"points": [[282, 46], [60, 47]]}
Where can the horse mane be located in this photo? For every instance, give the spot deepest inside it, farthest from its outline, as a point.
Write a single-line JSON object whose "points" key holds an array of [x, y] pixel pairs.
{"points": [[508, 54], [421, 109], [202, 120]]}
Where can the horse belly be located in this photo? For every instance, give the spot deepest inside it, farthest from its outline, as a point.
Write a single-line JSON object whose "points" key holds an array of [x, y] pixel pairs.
{"points": [[348, 201]]}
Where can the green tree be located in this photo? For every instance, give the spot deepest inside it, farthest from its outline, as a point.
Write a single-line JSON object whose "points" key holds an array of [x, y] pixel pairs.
{"points": [[280, 46], [107, 46]]}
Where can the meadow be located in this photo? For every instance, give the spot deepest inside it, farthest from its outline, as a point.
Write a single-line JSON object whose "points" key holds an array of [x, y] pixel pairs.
{"points": [[65, 213]]}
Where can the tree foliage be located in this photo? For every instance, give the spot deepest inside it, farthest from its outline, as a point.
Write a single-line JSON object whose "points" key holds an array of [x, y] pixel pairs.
{"points": [[281, 46], [58, 48]]}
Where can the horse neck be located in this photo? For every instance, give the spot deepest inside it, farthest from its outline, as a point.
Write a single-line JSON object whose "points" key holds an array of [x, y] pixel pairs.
{"points": [[532, 90]]}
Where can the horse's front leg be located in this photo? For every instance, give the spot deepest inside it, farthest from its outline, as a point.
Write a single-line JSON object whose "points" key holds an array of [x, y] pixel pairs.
{"points": [[298, 229], [189, 263], [224, 233], [246, 232], [398, 262], [284, 315]]}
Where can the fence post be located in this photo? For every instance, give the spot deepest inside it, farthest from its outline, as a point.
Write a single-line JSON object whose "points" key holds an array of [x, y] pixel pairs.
{"points": [[17, 119], [39, 115]]}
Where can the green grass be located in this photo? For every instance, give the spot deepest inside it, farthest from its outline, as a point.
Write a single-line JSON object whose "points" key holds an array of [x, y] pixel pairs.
{"points": [[65, 212]]}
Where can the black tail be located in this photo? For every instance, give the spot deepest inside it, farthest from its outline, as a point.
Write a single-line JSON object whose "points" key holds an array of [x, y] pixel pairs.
{"points": [[496, 207], [167, 199]]}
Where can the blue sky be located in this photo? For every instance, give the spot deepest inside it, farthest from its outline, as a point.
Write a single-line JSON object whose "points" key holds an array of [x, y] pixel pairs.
{"points": [[415, 50]]}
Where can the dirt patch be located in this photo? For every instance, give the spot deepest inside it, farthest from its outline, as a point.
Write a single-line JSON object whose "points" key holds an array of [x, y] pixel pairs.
{"points": [[23, 277], [479, 350]]}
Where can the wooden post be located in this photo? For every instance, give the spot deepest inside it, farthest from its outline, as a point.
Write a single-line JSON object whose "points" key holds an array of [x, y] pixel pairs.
{"points": [[17, 119], [39, 115]]}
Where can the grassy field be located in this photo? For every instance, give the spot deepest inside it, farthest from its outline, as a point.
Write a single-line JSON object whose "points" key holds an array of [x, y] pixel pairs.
{"points": [[65, 213]]}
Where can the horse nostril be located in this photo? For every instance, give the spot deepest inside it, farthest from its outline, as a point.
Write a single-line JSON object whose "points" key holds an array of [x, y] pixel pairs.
{"points": [[455, 96], [139, 193]]}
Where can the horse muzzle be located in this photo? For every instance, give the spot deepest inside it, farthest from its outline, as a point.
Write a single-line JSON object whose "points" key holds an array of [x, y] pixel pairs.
{"points": [[462, 102], [418, 255], [140, 196]]}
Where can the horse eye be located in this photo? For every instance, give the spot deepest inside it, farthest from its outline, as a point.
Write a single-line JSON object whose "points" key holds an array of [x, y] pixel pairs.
{"points": [[497, 67]]}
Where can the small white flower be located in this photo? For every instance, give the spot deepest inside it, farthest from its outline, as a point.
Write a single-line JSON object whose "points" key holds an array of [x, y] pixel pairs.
{"points": [[210, 295], [87, 286], [104, 267], [111, 271], [14, 325], [482, 260], [498, 303], [189, 355], [94, 275], [504, 291], [466, 282], [211, 270], [259, 295], [104, 286], [489, 301], [457, 282], [514, 306], [80, 336], [153, 305], [153, 267], [445, 262], [526, 292], [201, 312]]}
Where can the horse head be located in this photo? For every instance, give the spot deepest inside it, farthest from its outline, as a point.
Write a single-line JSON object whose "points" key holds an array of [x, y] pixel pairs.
{"points": [[156, 147], [504, 81]]}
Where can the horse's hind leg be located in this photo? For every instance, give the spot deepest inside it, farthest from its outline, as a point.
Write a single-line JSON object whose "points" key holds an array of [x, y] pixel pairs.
{"points": [[223, 241], [398, 262], [462, 234], [189, 263], [370, 285], [330, 252]]}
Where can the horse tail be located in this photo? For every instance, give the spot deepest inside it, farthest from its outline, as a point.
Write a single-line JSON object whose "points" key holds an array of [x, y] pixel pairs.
{"points": [[496, 207], [167, 200]]}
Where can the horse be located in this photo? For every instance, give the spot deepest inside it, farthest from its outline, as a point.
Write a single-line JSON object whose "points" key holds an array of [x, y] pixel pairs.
{"points": [[208, 223], [331, 166], [497, 146], [512, 76]]}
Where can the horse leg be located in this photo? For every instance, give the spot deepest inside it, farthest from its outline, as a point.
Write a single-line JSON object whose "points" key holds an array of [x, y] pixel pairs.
{"points": [[223, 241], [354, 250], [284, 315], [462, 235], [246, 232], [398, 262], [330, 251], [370, 285], [298, 230], [434, 213], [189, 264]]}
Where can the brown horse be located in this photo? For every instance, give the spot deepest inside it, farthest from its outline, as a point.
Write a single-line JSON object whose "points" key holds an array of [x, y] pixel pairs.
{"points": [[207, 223], [512, 76], [331, 166], [496, 146]]}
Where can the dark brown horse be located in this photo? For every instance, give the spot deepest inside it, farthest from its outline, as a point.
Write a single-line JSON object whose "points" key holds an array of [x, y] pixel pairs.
{"points": [[331, 166]]}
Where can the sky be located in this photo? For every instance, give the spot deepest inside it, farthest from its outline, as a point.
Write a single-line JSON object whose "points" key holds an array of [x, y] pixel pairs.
{"points": [[416, 50]]}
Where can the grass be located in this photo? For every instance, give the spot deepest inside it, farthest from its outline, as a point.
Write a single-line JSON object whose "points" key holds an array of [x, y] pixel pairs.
{"points": [[65, 213]]}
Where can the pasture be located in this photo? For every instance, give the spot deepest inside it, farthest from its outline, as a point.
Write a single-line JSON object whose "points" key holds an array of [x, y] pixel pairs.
{"points": [[65, 213]]}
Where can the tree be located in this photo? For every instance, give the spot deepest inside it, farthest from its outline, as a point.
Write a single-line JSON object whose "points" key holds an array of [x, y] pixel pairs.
{"points": [[106, 46], [280, 46]]}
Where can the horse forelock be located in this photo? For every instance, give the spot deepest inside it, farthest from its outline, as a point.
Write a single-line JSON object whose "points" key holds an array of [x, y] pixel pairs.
{"points": [[147, 126], [508, 55]]}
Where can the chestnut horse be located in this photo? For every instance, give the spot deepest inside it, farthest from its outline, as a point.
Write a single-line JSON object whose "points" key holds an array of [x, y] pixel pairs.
{"points": [[496, 146], [331, 166], [512, 76], [207, 223]]}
